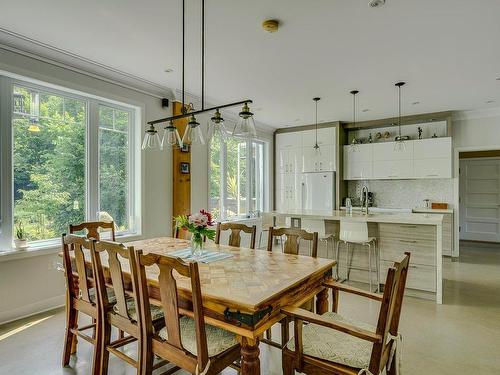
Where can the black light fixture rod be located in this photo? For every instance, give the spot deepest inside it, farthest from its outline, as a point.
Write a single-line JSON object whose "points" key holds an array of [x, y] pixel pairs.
{"points": [[183, 50], [184, 115], [202, 54], [398, 85]]}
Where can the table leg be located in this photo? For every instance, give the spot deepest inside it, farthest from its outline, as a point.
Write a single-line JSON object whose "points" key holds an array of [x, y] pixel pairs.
{"points": [[322, 302], [250, 362]]}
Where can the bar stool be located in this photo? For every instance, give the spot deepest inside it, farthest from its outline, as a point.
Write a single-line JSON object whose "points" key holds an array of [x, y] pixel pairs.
{"points": [[320, 227], [356, 233]]}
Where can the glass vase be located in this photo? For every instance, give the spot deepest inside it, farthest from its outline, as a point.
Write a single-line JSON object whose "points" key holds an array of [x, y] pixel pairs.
{"points": [[196, 245]]}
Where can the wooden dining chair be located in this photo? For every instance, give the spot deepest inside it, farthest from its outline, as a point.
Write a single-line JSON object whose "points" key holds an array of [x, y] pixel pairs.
{"points": [[291, 240], [81, 297], [334, 344], [124, 313], [235, 236], [93, 229], [186, 341]]}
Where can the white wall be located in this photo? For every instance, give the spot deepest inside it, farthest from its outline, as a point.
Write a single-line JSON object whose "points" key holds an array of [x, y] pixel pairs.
{"points": [[477, 129], [32, 284]]}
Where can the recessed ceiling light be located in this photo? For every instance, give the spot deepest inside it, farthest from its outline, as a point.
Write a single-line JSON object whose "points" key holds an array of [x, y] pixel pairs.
{"points": [[168, 70], [490, 101], [415, 103], [376, 3], [366, 110], [498, 79]]}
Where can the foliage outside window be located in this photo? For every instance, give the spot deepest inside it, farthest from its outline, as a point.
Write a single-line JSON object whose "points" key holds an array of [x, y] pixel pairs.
{"points": [[236, 177], [52, 170]]}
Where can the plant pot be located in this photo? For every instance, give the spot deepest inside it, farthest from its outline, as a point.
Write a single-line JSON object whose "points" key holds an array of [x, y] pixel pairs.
{"points": [[21, 244]]}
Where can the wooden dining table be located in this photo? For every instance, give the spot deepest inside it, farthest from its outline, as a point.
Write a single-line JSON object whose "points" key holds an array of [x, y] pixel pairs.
{"points": [[244, 293]]}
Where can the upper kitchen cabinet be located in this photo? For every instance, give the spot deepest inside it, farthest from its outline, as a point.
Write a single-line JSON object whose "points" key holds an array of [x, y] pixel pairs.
{"points": [[358, 162], [424, 158], [389, 163], [288, 153], [432, 158], [321, 161]]}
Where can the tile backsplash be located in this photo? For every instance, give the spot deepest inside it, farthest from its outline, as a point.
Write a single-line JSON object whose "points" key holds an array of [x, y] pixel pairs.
{"points": [[405, 193]]}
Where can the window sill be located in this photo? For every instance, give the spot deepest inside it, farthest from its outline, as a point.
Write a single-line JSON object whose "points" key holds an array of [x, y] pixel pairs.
{"points": [[48, 248]]}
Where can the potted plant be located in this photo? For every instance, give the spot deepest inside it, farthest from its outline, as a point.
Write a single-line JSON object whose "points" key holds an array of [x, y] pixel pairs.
{"points": [[20, 241], [198, 225]]}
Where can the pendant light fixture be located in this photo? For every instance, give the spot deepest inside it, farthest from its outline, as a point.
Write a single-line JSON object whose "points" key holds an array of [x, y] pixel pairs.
{"points": [[400, 144], [193, 134], [317, 150], [245, 127], [354, 147], [171, 136], [152, 139], [216, 127]]}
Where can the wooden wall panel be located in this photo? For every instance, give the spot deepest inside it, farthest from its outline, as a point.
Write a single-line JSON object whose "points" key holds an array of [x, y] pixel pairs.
{"points": [[181, 192]]}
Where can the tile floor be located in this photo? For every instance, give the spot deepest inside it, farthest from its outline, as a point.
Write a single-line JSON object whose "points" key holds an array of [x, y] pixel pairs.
{"points": [[460, 336]]}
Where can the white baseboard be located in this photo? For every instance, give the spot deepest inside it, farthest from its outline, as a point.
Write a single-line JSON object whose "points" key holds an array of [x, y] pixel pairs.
{"points": [[31, 309]]}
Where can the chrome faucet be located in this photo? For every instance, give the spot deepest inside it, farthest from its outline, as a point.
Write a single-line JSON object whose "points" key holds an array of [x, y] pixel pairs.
{"points": [[364, 194]]}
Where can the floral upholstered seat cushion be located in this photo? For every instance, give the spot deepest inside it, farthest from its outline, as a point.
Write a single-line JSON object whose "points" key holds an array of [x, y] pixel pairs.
{"points": [[111, 295], [156, 311], [218, 340], [336, 346]]}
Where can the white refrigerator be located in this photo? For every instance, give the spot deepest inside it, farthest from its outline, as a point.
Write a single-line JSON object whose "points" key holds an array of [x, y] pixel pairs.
{"points": [[318, 191]]}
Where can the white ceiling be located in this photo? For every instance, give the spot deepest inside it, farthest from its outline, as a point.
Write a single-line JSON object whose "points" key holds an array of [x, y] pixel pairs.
{"points": [[447, 51]]}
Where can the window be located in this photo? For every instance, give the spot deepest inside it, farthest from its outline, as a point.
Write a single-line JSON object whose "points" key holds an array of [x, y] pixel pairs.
{"points": [[236, 177], [72, 159]]}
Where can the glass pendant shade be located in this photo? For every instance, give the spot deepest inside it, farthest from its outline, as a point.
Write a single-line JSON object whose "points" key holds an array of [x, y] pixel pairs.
{"points": [[400, 145], [171, 137], [193, 134], [216, 127], [152, 139], [245, 127]]}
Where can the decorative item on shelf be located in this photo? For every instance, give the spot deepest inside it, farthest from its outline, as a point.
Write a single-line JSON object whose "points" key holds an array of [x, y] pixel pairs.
{"points": [[171, 137], [387, 135], [198, 225], [152, 139], [354, 147], [317, 150], [20, 242], [400, 144], [245, 127], [419, 132], [378, 135], [185, 169], [193, 133], [435, 135], [439, 206], [370, 139], [427, 203]]}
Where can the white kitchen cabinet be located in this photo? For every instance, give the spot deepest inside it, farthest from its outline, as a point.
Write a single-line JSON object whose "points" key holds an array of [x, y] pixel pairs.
{"points": [[318, 162], [290, 192], [289, 160], [420, 159], [326, 136]]}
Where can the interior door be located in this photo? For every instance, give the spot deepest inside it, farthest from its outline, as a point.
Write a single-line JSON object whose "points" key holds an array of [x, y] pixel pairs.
{"points": [[480, 199]]}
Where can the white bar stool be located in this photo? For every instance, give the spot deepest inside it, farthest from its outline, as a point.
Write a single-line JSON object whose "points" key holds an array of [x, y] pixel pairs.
{"points": [[356, 233], [311, 225]]}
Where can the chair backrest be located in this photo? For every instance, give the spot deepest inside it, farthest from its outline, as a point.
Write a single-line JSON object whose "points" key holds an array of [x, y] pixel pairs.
{"points": [[116, 254], [353, 231], [76, 246], [93, 228], [292, 241], [235, 236], [311, 225], [170, 304], [390, 312]]}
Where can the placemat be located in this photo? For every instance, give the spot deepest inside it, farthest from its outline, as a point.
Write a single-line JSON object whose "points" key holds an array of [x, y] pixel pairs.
{"points": [[207, 256]]}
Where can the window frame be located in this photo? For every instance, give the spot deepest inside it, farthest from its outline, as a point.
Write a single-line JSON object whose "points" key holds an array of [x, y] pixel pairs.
{"points": [[92, 102], [249, 180]]}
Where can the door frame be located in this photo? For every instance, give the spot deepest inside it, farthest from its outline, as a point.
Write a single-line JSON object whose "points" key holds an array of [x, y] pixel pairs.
{"points": [[456, 190]]}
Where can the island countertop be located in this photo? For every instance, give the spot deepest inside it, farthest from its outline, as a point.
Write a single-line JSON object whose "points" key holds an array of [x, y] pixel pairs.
{"points": [[374, 217]]}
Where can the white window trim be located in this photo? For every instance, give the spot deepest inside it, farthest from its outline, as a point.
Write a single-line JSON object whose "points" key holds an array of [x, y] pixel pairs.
{"points": [[7, 82], [223, 178]]}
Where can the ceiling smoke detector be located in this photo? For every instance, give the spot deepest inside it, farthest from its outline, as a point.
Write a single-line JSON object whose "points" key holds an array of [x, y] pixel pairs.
{"points": [[376, 3]]}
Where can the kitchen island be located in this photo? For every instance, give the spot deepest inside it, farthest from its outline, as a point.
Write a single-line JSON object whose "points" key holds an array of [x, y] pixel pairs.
{"points": [[419, 233]]}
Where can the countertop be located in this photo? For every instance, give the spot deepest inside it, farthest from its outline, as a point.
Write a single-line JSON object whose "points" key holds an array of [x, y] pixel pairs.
{"points": [[374, 217], [432, 211]]}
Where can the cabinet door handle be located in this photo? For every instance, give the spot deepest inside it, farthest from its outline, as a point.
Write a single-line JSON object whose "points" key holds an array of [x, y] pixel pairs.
{"points": [[407, 226], [320, 165], [432, 175], [408, 241]]}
